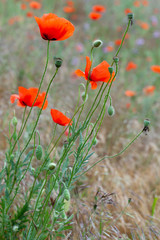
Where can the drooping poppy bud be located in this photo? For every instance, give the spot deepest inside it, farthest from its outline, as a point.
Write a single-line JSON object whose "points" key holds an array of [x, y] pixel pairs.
{"points": [[58, 62], [97, 43], [39, 152]]}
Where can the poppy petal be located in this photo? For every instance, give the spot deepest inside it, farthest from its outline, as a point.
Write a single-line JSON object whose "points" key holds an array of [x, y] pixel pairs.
{"points": [[13, 98], [59, 118], [101, 72], [79, 73], [93, 85], [88, 66]]}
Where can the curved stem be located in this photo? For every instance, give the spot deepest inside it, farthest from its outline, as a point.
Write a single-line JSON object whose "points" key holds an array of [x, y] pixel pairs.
{"points": [[113, 156]]}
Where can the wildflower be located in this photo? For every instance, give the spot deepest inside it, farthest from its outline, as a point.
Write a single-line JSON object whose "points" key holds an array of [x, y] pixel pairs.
{"points": [[27, 97], [69, 9], [145, 3], [128, 105], [29, 14], [140, 41], [35, 5], [98, 74], [127, 10], [95, 15], [108, 49], [59, 118], [70, 3], [118, 42], [131, 65], [136, 3], [143, 25], [54, 28], [23, 6], [156, 34], [149, 90], [155, 68], [99, 8], [130, 93]]}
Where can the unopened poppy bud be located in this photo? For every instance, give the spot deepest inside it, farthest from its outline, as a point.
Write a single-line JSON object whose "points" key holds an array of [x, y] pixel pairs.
{"points": [[51, 166], [39, 152], [97, 43], [146, 122], [14, 121], [66, 194], [110, 69], [15, 228], [95, 142], [116, 59], [130, 16], [111, 111], [58, 62], [66, 205], [84, 96]]}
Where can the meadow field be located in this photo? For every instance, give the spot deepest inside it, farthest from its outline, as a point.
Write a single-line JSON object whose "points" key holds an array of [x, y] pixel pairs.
{"points": [[79, 119]]}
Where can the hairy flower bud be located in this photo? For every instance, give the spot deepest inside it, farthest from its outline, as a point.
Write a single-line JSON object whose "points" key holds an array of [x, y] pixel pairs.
{"points": [[51, 166], [111, 111], [66, 194], [39, 152], [58, 62], [116, 59], [130, 16], [97, 43], [14, 121]]}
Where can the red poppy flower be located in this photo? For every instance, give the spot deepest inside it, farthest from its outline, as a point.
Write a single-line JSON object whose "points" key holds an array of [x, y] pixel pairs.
{"points": [[54, 28], [59, 118], [23, 6], [70, 3], [29, 14], [131, 65], [155, 68], [27, 97], [127, 10], [35, 5], [118, 42], [99, 8], [98, 74], [143, 25], [95, 15], [136, 3], [69, 9], [149, 90], [130, 93]]}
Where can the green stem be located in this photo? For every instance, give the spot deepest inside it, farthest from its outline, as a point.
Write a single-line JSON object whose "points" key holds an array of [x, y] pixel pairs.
{"points": [[14, 181], [34, 100], [113, 156]]}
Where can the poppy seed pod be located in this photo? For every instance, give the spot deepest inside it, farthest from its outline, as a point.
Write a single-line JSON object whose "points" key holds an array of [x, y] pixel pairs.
{"points": [[58, 62], [66, 194], [14, 121], [97, 43], [51, 166], [110, 69], [130, 16], [146, 122], [39, 152], [111, 111], [116, 59]]}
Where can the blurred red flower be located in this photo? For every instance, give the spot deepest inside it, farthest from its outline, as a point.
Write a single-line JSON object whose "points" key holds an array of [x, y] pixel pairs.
{"points": [[149, 90], [29, 14], [98, 74], [118, 42], [145, 3], [127, 10], [130, 93], [59, 118], [27, 97], [35, 5], [95, 15], [136, 3], [99, 8], [131, 65], [69, 9], [155, 68], [23, 6], [54, 28]]}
